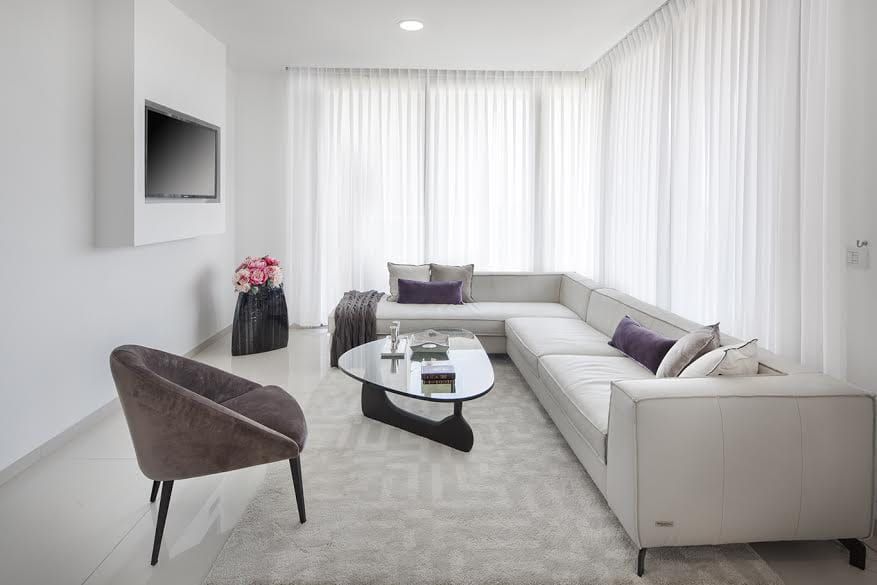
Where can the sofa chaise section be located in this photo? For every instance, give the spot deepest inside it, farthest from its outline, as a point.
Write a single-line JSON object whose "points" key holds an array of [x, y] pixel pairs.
{"points": [[740, 459]]}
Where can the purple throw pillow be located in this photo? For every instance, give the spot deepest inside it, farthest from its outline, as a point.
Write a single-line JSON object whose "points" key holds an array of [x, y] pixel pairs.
{"points": [[437, 292], [641, 343]]}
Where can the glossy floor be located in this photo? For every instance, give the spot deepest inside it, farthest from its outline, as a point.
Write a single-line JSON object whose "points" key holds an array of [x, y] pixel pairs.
{"points": [[81, 515]]}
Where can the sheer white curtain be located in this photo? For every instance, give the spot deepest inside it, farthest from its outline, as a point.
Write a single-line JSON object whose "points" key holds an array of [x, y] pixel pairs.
{"points": [[636, 187], [356, 160], [735, 225], [496, 168], [569, 210], [714, 201], [480, 177]]}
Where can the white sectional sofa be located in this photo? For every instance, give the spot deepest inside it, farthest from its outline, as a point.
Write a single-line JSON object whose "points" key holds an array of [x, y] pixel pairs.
{"points": [[784, 455]]}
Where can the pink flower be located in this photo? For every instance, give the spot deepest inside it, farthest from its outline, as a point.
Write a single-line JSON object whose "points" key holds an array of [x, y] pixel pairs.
{"points": [[271, 261], [258, 263], [242, 287], [258, 276], [275, 275]]}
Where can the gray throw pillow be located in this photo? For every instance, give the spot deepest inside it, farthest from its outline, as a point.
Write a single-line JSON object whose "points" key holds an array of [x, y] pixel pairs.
{"points": [[687, 349], [419, 272], [462, 273]]}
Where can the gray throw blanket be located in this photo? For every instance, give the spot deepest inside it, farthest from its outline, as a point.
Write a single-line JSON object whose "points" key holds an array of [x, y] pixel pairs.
{"points": [[355, 322]]}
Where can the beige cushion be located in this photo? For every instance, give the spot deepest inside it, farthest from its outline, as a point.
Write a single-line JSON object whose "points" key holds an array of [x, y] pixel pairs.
{"points": [[418, 272], [481, 318], [690, 347], [575, 292], [516, 286], [581, 386], [740, 359], [539, 336], [440, 272], [608, 307]]}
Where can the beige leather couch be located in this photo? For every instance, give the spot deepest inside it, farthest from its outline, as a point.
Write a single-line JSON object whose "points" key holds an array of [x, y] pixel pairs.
{"points": [[784, 455]]}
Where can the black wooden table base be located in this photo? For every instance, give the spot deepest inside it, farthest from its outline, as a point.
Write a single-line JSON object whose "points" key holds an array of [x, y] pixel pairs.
{"points": [[452, 431]]}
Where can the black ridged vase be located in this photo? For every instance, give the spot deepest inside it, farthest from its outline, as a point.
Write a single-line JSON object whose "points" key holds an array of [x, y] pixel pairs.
{"points": [[261, 322]]}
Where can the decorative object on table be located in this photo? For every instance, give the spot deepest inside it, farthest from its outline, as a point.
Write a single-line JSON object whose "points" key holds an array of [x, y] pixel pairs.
{"points": [[429, 341], [355, 322], [261, 322], [395, 346], [394, 351]]}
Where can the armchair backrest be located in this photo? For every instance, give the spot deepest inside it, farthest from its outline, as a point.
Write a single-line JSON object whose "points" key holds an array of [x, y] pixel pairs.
{"points": [[184, 431]]}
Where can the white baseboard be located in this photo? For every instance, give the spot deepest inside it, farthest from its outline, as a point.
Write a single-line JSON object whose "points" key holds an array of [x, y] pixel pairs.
{"points": [[201, 346], [65, 436], [59, 440]]}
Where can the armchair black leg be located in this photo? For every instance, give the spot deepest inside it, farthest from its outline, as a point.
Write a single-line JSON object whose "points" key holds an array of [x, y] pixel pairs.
{"points": [[641, 562], [166, 488], [154, 493], [295, 465], [858, 553]]}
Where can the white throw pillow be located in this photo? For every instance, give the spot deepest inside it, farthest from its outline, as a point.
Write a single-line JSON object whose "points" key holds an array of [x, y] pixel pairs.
{"points": [[731, 360], [408, 272]]}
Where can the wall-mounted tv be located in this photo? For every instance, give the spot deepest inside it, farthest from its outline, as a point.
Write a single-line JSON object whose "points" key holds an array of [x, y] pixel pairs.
{"points": [[182, 156]]}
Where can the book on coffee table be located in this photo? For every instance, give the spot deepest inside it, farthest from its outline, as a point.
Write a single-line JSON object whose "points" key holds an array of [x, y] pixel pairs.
{"points": [[437, 371]]}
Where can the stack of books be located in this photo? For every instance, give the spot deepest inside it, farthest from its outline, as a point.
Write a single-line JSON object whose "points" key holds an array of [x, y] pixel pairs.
{"points": [[437, 377]]}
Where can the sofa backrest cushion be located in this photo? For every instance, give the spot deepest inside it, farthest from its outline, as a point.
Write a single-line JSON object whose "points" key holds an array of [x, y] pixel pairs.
{"points": [[575, 292], [516, 287], [608, 307]]}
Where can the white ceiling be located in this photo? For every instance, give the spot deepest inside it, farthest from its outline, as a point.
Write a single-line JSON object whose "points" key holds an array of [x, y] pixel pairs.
{"points": [[459, 34]]}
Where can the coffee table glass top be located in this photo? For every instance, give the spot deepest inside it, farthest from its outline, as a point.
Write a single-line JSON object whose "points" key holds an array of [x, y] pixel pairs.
{"points": [[474, 372]]}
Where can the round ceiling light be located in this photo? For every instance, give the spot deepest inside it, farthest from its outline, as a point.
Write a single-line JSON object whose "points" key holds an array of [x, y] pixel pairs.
{"points": [[410, 25]]}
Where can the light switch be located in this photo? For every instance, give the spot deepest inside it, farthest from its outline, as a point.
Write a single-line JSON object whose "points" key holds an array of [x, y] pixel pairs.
{"points": [[858, 257]]}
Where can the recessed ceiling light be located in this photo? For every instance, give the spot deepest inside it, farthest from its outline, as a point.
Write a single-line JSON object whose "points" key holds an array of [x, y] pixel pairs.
{"points": [[410, 25]]}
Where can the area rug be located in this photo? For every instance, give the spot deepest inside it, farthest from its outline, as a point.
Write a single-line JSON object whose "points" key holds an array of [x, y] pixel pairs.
{"points": [[388, 507]]}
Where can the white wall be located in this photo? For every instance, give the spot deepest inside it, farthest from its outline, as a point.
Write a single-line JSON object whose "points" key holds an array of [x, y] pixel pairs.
{"points": [[260, 113], [851, 168], [65, 303]]}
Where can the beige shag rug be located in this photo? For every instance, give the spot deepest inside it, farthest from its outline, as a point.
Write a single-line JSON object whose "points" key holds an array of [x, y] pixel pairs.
{"points": [[388, 507]]}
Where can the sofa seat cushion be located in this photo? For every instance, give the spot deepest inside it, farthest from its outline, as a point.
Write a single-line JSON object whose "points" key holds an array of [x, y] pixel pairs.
{"points": [[539, 336], [274, 408], [581, 386], [481, 318]]}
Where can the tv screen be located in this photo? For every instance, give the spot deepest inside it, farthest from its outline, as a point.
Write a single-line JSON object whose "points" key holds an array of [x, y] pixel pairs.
{"points": [[182, 156]]}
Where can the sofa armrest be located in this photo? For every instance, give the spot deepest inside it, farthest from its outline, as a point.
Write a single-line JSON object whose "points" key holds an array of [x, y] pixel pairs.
{"points": [[740, 459]]}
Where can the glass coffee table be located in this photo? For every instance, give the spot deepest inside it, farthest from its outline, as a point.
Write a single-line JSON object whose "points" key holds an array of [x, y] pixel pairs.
{"points": [[474, 378]]}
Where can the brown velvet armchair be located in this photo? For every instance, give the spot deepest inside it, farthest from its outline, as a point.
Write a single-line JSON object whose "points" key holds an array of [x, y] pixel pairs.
{"points": [[188, 419]]}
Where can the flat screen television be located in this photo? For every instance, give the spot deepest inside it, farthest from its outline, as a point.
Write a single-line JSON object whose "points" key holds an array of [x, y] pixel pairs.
{"points": [[182, 156]]}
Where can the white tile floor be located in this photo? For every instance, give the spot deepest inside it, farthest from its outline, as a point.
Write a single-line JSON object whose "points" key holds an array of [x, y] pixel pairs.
{"points": [[81, 515]]}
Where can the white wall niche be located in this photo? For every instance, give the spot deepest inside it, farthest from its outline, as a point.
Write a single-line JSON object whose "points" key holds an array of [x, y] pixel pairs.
{"points": [[149, 51]]}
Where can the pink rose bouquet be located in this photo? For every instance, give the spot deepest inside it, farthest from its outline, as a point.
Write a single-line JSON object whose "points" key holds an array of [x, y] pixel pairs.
{"points": [[254, 272]]}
